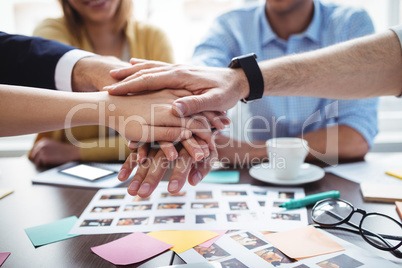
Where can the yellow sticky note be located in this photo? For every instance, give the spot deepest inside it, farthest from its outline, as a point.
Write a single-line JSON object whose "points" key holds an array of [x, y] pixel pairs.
{"points": [[397, 173], [303, 243], [183, 240], [4, 192]]}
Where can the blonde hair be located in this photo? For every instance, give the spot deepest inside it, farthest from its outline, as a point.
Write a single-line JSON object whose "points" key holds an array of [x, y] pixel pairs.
{"points": [[75, 23]]}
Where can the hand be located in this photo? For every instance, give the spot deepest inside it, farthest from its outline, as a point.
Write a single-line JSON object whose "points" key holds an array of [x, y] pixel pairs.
{"points": [[150, 172], [217, 88], [148, 118], [48, 152], [92, 73]]}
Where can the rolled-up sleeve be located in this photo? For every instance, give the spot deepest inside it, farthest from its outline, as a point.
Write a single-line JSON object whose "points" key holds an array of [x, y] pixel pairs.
{"points": [[397, 29]]}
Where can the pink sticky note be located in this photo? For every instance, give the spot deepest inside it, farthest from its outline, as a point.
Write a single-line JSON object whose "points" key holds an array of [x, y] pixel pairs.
{"points": [[209, 243], [3, 257], [130, 249]]}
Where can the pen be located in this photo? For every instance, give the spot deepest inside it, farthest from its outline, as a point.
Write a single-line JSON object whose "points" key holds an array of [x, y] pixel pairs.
{"points": [[310, 199]]}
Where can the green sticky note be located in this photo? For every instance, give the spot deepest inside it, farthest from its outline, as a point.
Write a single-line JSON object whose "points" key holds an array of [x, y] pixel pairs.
{"points": [[222, 177], [51, 232]]}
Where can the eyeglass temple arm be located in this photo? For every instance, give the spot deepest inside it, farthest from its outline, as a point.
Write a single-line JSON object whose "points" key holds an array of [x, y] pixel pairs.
{"points": [[394, 252], [366, 232]]}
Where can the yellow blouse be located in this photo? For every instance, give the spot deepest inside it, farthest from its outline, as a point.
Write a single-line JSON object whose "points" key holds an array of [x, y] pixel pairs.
{"points": [[145, 42]]}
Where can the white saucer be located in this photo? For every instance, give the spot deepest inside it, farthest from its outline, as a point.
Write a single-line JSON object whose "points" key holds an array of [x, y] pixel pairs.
{"points": [[308, 173]]}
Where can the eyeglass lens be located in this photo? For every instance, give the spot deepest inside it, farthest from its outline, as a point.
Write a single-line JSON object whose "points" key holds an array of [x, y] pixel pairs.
{"points": [[379, 231], [331, 212]]}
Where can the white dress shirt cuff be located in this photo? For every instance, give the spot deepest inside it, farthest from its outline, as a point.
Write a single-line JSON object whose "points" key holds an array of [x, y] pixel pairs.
{"points": [[65, 66]]}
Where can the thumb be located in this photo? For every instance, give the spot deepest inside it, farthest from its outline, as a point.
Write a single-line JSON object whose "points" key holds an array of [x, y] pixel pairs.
{"points": [[196, 104]]}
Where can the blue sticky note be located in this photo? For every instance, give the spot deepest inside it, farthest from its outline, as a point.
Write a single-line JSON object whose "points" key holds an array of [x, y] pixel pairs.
{"points": [[222, 177], [51, 232]]}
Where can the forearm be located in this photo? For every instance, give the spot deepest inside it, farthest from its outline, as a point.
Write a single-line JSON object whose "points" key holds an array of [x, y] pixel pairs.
{"points": [[31, 110], [362, 68], [336, 142]]}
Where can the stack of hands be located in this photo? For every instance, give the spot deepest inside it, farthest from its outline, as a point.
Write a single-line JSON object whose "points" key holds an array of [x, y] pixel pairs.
{"points": [[181, 124]]}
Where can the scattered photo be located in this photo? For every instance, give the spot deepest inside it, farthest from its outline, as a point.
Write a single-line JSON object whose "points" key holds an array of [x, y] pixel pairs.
{"points": [[140, 207], [199, 205], [205, 218], [213, 253], [285, 216], [169, 219], [238, 206], [286, 195], [203, 195], [234, 193], [179, 194], [112, 196], [139, 199], [96, 223], [243, 217], [105, 209], [248, 240], [233, 263], [219, 206], [273, 256], [340, 261], [171, 205], [133, 221]]}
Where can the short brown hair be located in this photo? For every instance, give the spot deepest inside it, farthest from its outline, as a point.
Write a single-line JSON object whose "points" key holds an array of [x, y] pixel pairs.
{"points": [[74, 21]]}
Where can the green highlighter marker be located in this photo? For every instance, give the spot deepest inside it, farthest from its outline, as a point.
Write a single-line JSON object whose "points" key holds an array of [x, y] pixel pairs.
{"points": [[310, 199]]}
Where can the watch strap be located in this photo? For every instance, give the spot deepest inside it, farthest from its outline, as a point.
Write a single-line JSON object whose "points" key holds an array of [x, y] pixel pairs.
{"points": [[253, 73]]}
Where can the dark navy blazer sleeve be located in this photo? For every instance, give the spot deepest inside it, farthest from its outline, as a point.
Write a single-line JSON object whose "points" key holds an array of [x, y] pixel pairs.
{"points": [[29, 61]]}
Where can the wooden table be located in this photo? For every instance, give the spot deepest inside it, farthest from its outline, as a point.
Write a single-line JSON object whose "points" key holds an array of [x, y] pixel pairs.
{"points": [[34, 204]]}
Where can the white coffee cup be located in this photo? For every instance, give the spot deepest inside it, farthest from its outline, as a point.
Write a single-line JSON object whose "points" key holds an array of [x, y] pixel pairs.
{"points": [[286, 155]]}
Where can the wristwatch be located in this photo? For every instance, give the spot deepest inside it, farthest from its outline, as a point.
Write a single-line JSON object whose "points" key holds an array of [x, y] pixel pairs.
{"points": [[253, 73]]}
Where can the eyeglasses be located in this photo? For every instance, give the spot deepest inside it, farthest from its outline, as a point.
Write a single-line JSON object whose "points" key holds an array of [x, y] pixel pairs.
{"points": [[379, 230]]}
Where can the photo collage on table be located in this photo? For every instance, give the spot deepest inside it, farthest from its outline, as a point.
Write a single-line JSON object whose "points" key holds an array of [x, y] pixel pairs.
{"points": [[205, 207], [251, 249], [239, 249]]}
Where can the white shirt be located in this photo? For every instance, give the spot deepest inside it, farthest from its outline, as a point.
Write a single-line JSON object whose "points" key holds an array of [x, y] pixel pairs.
{"points": [[65, 66]]}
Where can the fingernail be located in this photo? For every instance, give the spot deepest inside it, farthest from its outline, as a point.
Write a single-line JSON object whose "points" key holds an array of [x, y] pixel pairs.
{"points": [[134, 186], [131, 145], [122, 174], [173, 156], [114, 71], [181, 107], [144, 189], [197, 178], [173, 185], [187, 134], [198, 156], [226, 120]]}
